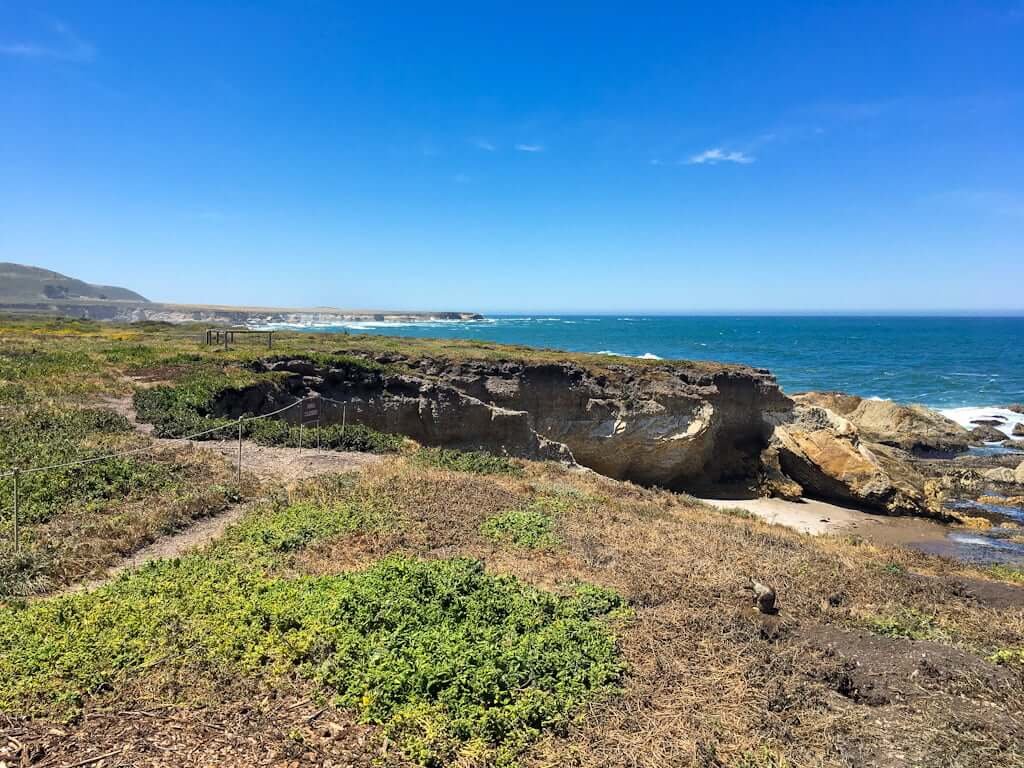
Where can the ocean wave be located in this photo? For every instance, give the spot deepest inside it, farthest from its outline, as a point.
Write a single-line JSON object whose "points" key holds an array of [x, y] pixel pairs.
{"points": [[649, 356], [967, 414]]}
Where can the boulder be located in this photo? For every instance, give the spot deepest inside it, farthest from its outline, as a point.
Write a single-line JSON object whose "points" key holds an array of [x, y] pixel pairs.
{"points": [[989, 422], [1000, 475], [985, 434], [1016, 407], [1018, 429], [825, 454], [775, 482], [912, 428]]}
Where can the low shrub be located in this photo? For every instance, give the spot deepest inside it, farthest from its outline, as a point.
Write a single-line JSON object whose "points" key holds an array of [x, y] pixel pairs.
{"points": [[531, 527], [477, 462], [906, 622], [450, 661], [52, 436], [186, 408]]}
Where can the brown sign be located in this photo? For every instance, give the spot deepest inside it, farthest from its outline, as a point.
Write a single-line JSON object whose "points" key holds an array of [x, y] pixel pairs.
{"points": [[311, 410]]}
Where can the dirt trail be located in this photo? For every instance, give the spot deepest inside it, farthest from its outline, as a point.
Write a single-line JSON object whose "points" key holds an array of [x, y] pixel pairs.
{"points": [[267, 464]]}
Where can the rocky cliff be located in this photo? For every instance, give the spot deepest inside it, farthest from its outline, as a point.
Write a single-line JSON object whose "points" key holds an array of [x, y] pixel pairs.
{"points": [[679, 426], [703, 428]]}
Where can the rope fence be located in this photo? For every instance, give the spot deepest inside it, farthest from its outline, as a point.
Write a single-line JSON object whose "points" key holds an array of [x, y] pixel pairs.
{"points": [[17, 472]]}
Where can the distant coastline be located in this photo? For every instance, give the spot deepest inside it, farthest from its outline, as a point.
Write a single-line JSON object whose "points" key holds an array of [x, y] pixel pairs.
{"points": [[294, 317]]}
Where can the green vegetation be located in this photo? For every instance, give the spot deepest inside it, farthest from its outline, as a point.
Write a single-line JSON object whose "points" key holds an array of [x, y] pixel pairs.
{"points": [[447, 659], [44, 437], [476, 462], [187, 407], [907, 622], [1014, 656], [352, 437], [1008, 573], [531, 527]]}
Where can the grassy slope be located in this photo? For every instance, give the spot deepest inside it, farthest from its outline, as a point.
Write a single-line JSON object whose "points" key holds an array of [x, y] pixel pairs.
{"points": [[835, 679]]}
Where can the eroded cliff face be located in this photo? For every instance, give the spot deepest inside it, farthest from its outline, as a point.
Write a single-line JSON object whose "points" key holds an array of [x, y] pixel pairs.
{"points": [[697, 427], [679, 426]]}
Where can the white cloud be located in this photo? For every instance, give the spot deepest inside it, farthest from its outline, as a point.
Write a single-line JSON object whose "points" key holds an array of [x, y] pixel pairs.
{"points": [[67, 46], [718, 155], [485, 145], [530, 147]]}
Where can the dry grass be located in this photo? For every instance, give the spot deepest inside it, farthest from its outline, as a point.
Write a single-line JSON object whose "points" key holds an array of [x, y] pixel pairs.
{"points": [[711, 681]]}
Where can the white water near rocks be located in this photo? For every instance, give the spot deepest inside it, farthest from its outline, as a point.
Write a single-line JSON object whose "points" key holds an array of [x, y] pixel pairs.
{"points": [[968, 417]]}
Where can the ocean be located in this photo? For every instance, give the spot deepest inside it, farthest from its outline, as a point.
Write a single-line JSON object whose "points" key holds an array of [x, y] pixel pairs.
{"points": [[962, 365]]}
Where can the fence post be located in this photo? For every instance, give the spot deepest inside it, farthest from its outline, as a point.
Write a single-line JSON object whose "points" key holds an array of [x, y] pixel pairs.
{"points": [[318, 432], [344, 409], [238, 475], [17, 537], [300, 431]]}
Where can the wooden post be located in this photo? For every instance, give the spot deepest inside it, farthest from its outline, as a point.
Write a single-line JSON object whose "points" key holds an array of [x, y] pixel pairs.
{"points": [[17, 536], [270, 339], [238, 475], [300, 432]]}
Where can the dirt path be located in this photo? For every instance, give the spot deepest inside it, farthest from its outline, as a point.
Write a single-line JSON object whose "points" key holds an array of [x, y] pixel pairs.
{"points": [[266, 463]]}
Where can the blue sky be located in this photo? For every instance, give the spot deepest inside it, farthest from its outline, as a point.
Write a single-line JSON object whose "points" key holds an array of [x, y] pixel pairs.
{"points": [[672, 158]]}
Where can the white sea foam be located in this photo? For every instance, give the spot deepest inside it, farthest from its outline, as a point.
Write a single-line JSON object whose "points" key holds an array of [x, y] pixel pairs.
{"points": [[964, 416], [649, 356]]}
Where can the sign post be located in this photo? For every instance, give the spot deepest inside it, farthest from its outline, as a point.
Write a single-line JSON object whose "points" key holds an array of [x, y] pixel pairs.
{"points": [[310, 414]]}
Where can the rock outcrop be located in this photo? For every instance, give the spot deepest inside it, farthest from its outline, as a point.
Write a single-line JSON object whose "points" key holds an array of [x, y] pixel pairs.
{"points": [[681, 426], [987, 434], [912, 428], [696, 427], [826, 454]]}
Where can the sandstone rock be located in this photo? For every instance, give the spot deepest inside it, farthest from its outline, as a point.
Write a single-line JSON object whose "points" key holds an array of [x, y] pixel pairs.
{"points": [[775, 482], [1018, 474], [677, 425], [1018, 429], [1016, 407], [1001, 474], [912, 428], [825, 454]]}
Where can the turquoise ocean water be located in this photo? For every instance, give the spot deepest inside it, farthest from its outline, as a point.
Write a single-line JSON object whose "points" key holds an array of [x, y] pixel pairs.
{"points": [[941, 362]]}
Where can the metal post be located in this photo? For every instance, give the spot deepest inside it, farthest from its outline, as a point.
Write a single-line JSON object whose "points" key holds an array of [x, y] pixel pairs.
{"points": [[344, 410], [17, 536], [318, 433], [238, 476], [300, 431]]}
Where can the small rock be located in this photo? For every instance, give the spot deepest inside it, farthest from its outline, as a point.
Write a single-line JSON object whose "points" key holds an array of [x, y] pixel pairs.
{"points": [[764, 597]]}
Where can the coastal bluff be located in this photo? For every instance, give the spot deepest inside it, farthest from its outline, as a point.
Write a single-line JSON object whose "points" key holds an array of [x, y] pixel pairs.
{"points": [[686, 426]]}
